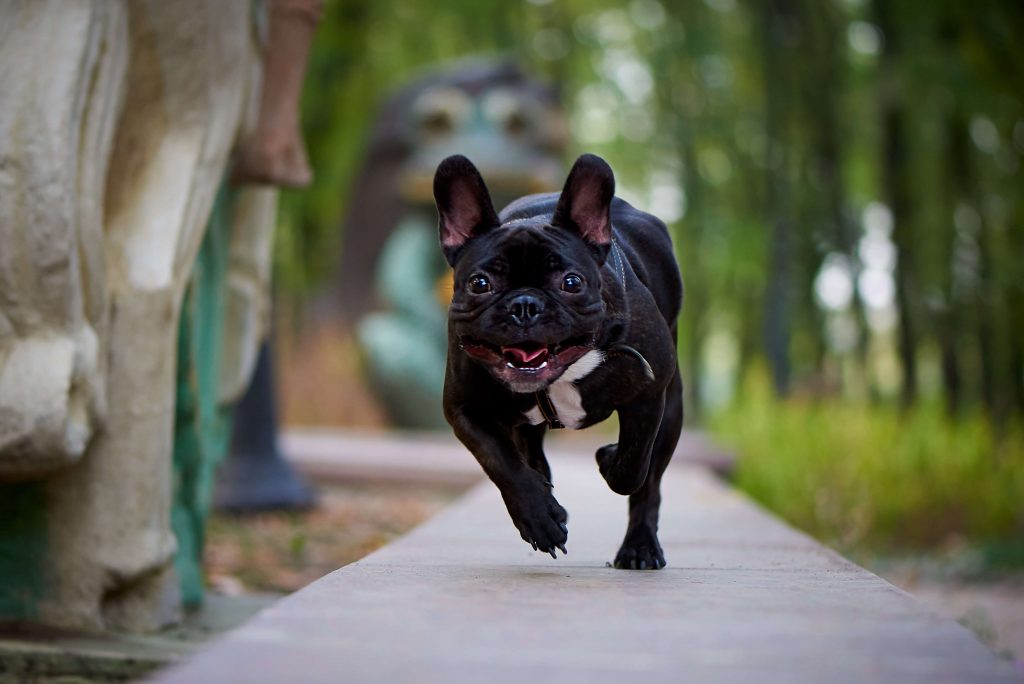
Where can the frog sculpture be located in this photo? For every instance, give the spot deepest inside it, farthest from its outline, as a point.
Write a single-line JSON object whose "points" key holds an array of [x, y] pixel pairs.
{"points": [[513, 127]]}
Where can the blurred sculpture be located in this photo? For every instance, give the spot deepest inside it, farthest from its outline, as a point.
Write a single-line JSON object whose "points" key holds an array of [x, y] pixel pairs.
{"points": [[255, 476], [514, 127], [275, 152], [116, 123]]}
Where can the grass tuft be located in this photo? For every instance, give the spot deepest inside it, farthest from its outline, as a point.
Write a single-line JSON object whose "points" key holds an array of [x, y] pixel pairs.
{"points": [[865, 478]]}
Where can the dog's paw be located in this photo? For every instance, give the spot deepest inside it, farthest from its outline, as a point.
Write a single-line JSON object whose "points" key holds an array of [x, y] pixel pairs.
{"points": [[541, 521], [621, 480], [606, 456], [640, 551]]}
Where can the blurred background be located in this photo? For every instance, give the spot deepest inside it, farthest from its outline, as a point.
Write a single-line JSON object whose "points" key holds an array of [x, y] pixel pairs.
{"points": [[842, 180]]}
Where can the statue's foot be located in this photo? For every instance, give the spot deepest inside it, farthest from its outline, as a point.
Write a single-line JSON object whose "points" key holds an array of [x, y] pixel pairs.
{"points": [[273, 158]]}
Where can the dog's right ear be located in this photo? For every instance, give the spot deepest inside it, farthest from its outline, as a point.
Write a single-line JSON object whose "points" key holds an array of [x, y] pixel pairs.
{"points": [[464, 206]]}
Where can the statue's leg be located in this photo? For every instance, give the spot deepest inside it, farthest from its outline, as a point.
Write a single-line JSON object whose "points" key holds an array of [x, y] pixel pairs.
{"points": [[275, 153], [189, 73]]}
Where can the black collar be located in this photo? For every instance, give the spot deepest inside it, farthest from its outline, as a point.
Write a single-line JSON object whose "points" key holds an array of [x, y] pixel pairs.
{"points": [[547, 409]]}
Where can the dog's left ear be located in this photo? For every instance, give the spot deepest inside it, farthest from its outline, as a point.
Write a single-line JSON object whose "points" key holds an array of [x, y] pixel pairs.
{"points": [[464, 206], [585, 204]]}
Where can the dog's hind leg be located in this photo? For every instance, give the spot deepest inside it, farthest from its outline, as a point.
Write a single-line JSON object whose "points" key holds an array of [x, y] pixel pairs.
{"points": [[640, 549]]}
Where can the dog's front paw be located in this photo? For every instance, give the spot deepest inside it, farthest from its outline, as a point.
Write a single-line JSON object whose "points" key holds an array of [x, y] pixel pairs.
{"points": [[540, 519], [640, 551]]}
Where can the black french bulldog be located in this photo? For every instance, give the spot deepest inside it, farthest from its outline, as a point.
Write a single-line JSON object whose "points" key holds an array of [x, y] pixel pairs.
{"points": [[564, 310]]}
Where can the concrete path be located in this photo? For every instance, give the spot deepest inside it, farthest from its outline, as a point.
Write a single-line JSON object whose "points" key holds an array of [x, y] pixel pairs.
{"points": [[435, 458], [463, 599]]}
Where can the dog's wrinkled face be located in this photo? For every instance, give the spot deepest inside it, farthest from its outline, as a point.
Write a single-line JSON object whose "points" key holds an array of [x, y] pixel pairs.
{"points": [[527, 303], [527, 300]]}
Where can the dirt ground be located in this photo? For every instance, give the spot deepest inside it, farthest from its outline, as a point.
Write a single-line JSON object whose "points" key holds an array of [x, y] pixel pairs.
{"points": [[992, 607], [283, 552]]}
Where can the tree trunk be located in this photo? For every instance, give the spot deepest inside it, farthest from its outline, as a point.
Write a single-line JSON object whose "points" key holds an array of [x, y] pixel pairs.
{"points": [[775, 22], [896, 190]]}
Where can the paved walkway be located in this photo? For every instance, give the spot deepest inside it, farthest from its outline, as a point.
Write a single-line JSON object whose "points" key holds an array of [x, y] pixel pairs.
{"points": [[463, 599]]}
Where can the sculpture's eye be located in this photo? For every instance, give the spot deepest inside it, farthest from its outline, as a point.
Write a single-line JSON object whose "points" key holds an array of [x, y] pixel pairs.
{"points": [[479, 284], [572, 283]]}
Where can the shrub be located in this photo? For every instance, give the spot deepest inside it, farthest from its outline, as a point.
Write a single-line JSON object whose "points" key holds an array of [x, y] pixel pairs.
{"points": [[874, 478]]}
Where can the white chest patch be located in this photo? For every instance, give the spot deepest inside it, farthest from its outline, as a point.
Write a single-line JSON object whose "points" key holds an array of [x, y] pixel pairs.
{"points": [[564, 396]]}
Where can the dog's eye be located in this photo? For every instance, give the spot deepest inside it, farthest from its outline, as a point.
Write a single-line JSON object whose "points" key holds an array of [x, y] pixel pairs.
{"points": [[572, 283], [479, 284]]}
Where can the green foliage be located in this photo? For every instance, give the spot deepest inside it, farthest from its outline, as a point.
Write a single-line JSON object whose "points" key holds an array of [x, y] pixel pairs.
{"points": [[362, 52], [770, 128], [875, 478]]}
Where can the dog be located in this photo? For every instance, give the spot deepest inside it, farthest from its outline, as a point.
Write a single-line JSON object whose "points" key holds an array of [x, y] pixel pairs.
{"points": [[563, 310]]}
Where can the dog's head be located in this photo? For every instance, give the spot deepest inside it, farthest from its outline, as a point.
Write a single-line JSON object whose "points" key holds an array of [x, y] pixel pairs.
{"points": [[527, 300]]}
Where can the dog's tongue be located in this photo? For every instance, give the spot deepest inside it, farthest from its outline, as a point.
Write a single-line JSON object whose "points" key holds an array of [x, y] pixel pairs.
{"points": [[523, 355]]}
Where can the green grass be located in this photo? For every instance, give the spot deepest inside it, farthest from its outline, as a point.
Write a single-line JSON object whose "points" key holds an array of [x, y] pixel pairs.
{"points": [[876, 479]]}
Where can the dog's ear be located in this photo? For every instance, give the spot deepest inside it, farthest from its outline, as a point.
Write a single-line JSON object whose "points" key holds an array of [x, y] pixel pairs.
{"points": [[585, 204], [464, 206]]}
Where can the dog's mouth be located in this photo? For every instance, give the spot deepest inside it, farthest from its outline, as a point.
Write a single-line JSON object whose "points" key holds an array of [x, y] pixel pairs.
{"points": [[529, 361]]}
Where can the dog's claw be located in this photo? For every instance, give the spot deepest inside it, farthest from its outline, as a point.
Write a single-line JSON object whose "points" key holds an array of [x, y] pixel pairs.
{"points": [[643, 565], [562, 547], [534, 545], [564, 527], [553, 554]]}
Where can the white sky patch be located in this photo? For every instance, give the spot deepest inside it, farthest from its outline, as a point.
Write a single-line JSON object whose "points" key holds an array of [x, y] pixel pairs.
{"points": [[613, 26], [877, 217], [967, 220], [966, 251], [882, 320], [647, 14], [721, 359], [876, 251], [714, 164], [877, 288], [716, 71], [842, 332], [637, 124], [668, 200], [864, 38], [632, 77], [833, 287], [594, 118], [632, 195], [984, 134]]}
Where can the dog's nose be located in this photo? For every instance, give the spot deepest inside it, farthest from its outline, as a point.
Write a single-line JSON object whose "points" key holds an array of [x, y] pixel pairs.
{"points": [[526, 309]]}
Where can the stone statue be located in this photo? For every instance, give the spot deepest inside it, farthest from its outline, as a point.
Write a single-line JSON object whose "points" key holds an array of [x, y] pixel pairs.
{"points": [[117, 120]]}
